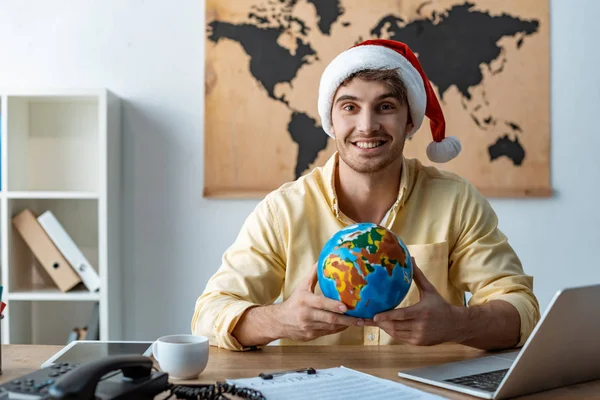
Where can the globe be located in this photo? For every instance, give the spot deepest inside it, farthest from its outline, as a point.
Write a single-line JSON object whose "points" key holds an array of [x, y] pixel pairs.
{"points": [[367, 267]]}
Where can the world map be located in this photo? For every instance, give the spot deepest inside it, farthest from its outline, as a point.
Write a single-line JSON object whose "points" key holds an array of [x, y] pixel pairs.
{"points": [[459, 47]]}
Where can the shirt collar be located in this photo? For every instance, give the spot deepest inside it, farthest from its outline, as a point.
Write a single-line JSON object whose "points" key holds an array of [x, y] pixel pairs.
{"points": [[329, 173]]}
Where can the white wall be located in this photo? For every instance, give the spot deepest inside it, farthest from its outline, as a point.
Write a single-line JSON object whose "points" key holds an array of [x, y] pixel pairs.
{"points": [[150, 53]]}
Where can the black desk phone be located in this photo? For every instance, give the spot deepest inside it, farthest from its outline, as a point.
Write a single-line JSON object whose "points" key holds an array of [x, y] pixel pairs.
{"points": [[113, 377]]}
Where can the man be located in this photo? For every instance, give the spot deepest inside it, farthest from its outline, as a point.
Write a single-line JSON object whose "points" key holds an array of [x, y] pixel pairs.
{"points": [[372, 97]]}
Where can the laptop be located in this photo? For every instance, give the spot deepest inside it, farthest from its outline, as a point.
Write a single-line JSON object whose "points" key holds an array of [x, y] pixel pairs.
{"points": [[563, 349]]}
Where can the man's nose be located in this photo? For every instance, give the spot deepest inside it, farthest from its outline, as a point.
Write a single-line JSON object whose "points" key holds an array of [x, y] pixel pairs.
{"points": [[367, 122]]}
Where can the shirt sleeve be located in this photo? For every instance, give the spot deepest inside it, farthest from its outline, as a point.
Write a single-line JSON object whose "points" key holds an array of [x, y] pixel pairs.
{"points": [[483, 263], [251, 274]]}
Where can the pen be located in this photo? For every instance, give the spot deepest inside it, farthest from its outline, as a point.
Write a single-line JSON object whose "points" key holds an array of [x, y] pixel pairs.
{"points": [[309, 371]]}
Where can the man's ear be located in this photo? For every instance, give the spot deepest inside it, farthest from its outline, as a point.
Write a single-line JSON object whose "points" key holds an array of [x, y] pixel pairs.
{"points": [[409, 126], [409, 122]]}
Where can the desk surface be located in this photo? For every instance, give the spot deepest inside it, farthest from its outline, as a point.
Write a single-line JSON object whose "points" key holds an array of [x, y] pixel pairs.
{"points": [[382, 361]]}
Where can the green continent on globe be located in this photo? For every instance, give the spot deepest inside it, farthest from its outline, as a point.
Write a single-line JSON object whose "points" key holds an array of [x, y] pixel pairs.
{"points": [[367, 248]]}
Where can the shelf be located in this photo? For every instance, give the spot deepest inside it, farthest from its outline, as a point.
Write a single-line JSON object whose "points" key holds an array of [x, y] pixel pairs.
{"points": [[53, 143], [52, 294], [60, 152], [52, 195], [45, 322], [79, 217]]}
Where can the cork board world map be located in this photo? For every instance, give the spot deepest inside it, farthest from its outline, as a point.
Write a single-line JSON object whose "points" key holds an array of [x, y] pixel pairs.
{"points": [[488, 61]]}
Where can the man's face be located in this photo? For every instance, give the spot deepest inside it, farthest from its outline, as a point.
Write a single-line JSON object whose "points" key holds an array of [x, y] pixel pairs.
{"points": [[369, 125]]}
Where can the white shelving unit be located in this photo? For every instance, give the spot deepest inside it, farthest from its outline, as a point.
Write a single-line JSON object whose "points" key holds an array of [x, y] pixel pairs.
{"points": [[60, 152]]}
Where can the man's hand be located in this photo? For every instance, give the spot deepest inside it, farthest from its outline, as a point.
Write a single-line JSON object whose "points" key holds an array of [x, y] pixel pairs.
{"points": [[305, 315], [431, 321]]}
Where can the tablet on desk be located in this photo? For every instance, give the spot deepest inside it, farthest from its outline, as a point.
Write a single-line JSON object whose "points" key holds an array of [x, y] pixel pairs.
{"points": [[81, 351]]}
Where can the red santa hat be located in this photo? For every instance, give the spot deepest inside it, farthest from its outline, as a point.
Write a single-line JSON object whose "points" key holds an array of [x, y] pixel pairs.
{"points": [[422, 101]]}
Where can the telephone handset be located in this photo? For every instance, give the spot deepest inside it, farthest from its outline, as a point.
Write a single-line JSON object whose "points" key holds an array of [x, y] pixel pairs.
{"points": [[136, 377], [111, 378]]}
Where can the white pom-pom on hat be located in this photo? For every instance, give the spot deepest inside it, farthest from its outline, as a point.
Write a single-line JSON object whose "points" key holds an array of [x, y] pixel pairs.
{"points": [[422, 101], [444, 151]]}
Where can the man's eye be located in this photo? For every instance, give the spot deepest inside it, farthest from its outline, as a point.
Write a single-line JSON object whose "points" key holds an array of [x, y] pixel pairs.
{"points": [[348, 107], [387, 106]]}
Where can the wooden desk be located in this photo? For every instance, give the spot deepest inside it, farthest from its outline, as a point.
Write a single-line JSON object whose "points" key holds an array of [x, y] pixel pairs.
{"points": [[382, 361]]}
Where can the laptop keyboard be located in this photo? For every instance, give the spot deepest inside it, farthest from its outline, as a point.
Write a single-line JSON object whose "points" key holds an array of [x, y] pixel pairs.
{"points": [[488, 381]]}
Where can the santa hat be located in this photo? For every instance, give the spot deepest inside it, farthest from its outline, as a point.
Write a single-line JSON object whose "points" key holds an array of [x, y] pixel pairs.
{"points": [[390, 54]]}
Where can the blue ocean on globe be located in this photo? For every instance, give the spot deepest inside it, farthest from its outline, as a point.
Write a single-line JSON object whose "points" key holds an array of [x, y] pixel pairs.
{"points": [[367, 267]]}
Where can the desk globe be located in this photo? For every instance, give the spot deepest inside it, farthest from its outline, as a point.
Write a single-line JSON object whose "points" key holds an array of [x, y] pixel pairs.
{"points": [[367, 267]]}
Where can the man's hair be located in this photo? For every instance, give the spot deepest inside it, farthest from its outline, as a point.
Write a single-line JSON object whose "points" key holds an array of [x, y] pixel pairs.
{"points": [[388, 76]]}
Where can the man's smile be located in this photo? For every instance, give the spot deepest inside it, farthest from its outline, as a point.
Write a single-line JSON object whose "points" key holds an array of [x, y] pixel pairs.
{"points": [[369, 144]]}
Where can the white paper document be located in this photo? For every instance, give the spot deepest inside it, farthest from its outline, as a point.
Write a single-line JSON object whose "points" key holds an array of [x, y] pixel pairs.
{"points": [[332, 383]]}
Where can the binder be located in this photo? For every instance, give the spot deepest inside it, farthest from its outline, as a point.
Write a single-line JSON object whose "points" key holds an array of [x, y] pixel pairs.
{"points": [[65, 244], [44, 250]]}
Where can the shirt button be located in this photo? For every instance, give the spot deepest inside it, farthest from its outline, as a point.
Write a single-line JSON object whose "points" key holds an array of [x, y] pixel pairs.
{"points": [[371, 337]]}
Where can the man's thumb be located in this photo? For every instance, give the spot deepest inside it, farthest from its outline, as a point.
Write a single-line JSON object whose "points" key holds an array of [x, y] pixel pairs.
{"points": [[421, 280]]}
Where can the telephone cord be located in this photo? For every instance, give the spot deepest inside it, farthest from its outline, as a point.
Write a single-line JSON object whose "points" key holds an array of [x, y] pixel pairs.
{"points": [[213, 392]]}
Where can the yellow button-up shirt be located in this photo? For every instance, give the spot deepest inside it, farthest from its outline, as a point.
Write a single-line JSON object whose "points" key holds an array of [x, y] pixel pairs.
{"points": [[448, 226]]}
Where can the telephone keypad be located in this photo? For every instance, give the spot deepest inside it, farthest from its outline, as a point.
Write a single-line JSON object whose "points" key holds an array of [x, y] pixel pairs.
{"points": [[37, 383]]}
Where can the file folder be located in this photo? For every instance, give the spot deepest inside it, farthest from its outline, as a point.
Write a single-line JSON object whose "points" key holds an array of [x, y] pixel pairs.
{"points": [[45, 251], [65, 244]]}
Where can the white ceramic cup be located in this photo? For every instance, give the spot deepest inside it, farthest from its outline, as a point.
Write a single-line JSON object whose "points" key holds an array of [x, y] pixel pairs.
{"points": [[181, 356]]}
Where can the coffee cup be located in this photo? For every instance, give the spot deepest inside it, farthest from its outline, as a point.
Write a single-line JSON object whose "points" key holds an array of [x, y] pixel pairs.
{"points": [[181, 356]]}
